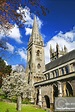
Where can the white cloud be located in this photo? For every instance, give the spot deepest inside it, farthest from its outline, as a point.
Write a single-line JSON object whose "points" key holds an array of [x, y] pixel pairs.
{"points": [[29, 24], [29, 18], [10, 48], [67, 39], [14, 33], [23, 54], [28, 31]]}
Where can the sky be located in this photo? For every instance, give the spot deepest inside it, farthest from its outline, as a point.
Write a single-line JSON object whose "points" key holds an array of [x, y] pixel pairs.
{"points": [[58, 26]]}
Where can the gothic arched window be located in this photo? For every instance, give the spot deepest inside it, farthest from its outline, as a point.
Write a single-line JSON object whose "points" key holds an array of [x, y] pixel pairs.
{"points": [[62, 69], [38, 66], [38, 52], [57, 73], [67, 69]]}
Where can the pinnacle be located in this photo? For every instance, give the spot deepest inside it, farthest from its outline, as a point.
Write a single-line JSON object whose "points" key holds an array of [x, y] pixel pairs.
{"points": [[35, 26]]}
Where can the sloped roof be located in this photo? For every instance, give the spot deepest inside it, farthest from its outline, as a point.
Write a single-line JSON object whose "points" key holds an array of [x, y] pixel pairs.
{"points": [[66, 58]]}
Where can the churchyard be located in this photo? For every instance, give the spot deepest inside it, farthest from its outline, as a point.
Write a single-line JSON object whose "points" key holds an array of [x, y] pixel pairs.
{"points": [[11, 107]]}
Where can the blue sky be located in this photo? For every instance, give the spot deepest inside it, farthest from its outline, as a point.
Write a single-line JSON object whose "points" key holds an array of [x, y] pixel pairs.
{"points": [[57, 27]]}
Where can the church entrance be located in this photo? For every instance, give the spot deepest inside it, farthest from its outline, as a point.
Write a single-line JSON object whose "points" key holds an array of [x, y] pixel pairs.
{"points": [[47, 101], [37, 97]]}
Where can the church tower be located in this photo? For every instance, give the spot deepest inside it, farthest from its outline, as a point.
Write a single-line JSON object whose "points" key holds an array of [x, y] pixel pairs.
{"points": [[35, 56], [58, 53]]}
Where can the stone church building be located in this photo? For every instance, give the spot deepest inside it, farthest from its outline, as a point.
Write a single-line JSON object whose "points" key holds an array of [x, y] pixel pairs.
{"points": [[55, 79]]}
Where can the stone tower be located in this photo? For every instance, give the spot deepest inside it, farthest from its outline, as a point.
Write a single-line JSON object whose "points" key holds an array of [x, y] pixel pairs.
{"points": [[58, 53], [35, 57]]}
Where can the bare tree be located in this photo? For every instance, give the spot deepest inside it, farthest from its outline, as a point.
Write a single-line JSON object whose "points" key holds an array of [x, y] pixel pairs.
{"points": [[9, 14]]}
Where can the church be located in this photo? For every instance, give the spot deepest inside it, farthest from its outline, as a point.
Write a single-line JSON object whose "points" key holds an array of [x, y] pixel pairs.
{"points": [[55, 79]]}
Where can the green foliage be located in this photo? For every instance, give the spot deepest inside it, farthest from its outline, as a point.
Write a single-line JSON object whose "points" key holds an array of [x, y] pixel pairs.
{"points": [[11, 107], [4, 70], [13, 99], [2, 95], [2, 66], [8, 69], [26, 101]]}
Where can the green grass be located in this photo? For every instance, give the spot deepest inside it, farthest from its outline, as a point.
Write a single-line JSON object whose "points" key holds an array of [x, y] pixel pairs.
{"points": [[5, 106]]}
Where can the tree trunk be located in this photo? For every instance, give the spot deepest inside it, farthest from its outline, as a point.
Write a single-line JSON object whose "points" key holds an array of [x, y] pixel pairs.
{"points": [[19, 103]]}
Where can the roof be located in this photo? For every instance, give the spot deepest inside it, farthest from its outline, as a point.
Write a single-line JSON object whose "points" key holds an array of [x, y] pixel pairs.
{"points": [[65, 58]]}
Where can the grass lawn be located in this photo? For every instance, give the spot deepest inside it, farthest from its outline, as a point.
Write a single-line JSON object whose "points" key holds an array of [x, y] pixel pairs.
{"points": [[5, 106]]}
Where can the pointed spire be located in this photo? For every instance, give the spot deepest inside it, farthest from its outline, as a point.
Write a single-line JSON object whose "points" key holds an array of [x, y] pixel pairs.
{"points": [[35, 26], [57, 47], [65, 49], [35, 36]]}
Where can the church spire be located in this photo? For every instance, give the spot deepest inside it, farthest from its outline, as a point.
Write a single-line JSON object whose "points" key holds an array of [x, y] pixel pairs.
{"points": [[35, 36], [35, 26]]}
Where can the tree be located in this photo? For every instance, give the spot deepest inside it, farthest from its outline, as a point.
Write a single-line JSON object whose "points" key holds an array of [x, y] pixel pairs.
{"points": [[4, 70], [9, 14], [15, 85]]}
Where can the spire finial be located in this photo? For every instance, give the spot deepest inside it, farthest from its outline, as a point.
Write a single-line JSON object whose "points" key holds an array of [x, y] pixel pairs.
{"points": [[35, 18]]}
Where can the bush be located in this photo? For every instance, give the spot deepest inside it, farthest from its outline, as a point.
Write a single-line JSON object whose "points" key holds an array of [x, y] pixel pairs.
{"points": [[2, 95], [13, 99], [26, 101]]}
